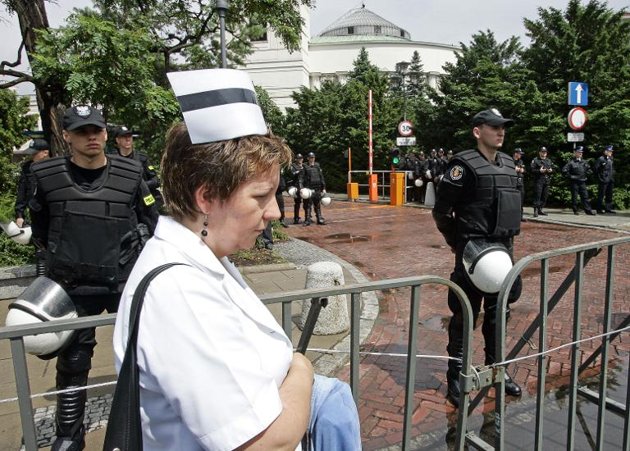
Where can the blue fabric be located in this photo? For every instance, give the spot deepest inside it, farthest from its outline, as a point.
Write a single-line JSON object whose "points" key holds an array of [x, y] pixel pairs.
{"points": [[334, 423]]}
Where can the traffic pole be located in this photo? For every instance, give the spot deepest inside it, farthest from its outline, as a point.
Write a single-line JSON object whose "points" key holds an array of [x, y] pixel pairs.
{"points": [[372, 178]]}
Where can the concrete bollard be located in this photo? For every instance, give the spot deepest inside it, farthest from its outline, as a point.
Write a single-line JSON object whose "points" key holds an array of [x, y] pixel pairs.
{"points": [[429, 195], [333, 319]]}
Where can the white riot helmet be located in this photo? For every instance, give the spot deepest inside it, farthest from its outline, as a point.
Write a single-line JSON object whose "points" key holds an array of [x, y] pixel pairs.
{"points": [[306, 193], [326, 200], [293, 191], [418, 183], [18, 234], [43, 300], [487, 264]]}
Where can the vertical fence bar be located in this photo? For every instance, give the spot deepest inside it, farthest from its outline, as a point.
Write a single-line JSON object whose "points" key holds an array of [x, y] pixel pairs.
{"points": [[287, 321], [355, 341], [542, 360], [412, 349], [626, 422], [603, 376], [575, 349], [23, 389]]}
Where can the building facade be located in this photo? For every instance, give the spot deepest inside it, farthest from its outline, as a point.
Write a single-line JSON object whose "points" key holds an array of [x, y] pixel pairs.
{"points": [[330, 55]]}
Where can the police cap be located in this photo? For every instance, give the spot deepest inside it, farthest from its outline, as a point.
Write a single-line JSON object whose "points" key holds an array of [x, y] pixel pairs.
{"points": [[579, 149], [82, 115], [519, 150], [37, 145], [492, 117], [609, 148], [123, 131]]}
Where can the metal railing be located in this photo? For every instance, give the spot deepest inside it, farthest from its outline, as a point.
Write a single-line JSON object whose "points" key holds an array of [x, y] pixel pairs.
{"points": [[472, 378], [383, 181], [494, 376], [24, 398]]}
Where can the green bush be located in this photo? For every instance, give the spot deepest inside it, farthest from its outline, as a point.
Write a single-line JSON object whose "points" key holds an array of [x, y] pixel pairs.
{"points": [[14, 254]]}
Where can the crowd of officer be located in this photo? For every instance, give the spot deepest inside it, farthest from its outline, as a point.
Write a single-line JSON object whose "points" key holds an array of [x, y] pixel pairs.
{"points": [[422, 169]]}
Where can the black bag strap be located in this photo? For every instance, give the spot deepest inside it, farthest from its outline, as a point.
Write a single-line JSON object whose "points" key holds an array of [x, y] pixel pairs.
{"points": [[124, 428]]}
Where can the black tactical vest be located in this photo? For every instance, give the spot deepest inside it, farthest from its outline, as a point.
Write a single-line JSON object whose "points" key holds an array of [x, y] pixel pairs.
{"points": [[92, 236], [494, 209], [313, 177]]}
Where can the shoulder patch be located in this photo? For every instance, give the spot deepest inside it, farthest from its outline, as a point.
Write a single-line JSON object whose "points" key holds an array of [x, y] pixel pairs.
{"points": [[148, 200], [456, 173]]}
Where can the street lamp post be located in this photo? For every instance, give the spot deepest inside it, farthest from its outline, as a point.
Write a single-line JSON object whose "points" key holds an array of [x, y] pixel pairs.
{"points": [[222, 7]]}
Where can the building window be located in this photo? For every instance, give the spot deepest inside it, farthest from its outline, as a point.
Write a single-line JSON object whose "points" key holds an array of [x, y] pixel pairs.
{"points": [[377, 29], [350, 30], [402, 33]]}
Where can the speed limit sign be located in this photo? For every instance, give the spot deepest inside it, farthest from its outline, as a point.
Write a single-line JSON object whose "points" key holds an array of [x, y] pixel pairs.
{"points": [[405, 128]]}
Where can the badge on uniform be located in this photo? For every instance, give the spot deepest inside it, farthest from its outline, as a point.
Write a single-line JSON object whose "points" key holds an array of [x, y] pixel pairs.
{"points": [[148, 200], [456, 173]]}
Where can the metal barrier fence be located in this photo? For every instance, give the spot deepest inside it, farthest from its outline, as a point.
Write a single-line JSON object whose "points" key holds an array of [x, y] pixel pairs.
{"points": [[486, 377], [472, 378], [24, 397], [360, 177]]}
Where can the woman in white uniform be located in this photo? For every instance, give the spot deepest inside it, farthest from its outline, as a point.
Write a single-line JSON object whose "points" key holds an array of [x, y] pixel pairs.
{"points": [[216, 370]]}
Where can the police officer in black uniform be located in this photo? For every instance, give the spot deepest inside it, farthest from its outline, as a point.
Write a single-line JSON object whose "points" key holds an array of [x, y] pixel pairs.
{"points": [[296, 178], [410, 166], [605, 178], [39, 150], [519, 167], [125, 146], [577, 171], [477, 198], [313, 178], [93, 213], [542, 168]]}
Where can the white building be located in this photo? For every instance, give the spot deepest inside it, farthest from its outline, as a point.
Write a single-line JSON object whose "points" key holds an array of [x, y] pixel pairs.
{"points": [[330, 55]]}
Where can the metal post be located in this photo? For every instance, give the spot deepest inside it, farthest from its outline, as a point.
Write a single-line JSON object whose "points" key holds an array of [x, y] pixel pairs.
{"points": [[222, 7]]}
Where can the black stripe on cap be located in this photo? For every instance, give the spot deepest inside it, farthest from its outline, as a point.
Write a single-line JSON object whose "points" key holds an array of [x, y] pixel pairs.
{"points": [[217, 97]]}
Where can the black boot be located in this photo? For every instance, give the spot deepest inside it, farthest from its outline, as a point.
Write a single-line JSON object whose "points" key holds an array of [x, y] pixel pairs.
{"points": [[69, 421], [296, 213], [318, 215], [455, 350], [535, 212], [511, 387], [541, 213]]}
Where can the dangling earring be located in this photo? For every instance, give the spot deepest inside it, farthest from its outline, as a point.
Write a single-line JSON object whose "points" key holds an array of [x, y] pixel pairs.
{"points": [[204, 231]]}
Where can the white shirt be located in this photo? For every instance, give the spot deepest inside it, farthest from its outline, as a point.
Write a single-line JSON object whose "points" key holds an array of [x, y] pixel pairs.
{"points": [[211, 355]]}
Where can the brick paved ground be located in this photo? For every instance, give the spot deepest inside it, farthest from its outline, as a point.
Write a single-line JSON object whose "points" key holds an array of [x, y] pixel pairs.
{"points": [[388, 242]]}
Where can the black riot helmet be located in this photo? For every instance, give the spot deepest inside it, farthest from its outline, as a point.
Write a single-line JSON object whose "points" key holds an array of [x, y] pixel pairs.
{"points": [[311, 155], [298, 156]]}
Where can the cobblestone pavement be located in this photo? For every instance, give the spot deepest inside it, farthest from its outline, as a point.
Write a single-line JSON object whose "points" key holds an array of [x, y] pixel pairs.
{"points": [[388, 242]]}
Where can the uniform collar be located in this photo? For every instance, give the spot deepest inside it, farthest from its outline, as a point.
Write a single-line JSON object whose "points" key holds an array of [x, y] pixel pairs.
{"points": [[189, 244]]}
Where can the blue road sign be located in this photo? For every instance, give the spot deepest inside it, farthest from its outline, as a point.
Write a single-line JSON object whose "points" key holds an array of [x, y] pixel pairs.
{"points": [[578, 93]]}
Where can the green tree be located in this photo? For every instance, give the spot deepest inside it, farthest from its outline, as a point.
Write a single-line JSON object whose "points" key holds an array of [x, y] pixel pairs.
{"points": [[167, 35], [273, 115], [14, 119], [485, 74], [334, 117], [589, 43]]}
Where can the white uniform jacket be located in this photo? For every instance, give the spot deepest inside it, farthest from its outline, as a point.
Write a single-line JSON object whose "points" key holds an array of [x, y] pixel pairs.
{"points": [[211, 355]]}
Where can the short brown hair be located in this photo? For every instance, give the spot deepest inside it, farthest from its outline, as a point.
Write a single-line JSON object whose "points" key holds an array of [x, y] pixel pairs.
{"points": [[221, 167]]}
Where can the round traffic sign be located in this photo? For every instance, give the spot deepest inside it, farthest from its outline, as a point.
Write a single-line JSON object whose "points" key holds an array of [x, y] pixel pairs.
{"points": [[405, 128], [577, 118]]}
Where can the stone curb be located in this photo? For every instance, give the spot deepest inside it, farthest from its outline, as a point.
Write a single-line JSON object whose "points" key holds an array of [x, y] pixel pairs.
{"points": [[267, 268]]}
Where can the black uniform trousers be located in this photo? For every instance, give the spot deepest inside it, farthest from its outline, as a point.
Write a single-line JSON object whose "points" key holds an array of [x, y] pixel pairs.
{"points": [[280, 201], [541, 191], [455, 347], [521, 187], [74, 363], [314, 202], [605, 194], [578, 188]]}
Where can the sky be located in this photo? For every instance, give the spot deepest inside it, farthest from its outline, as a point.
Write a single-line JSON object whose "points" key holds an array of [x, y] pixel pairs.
{"points": [[440, 21]]}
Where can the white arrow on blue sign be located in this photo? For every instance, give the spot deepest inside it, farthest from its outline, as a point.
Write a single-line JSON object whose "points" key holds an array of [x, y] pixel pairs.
{"points": [[578, 93]]}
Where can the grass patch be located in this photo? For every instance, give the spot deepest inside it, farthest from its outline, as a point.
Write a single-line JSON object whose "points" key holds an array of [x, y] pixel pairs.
{"points": [[258, 255]]}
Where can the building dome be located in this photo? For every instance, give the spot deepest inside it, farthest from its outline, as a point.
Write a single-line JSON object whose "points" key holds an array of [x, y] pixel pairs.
{"points": [[363, 22]]}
